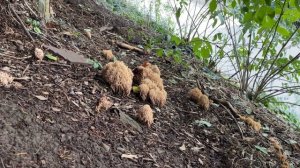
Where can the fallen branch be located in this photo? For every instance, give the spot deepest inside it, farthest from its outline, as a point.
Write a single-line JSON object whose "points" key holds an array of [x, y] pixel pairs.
{"points": [[227, 110], [127, 46]]}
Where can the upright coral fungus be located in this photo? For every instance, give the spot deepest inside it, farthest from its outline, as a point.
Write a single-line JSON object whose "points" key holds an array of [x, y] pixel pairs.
{"points": [[145, 114], [147, 76], [196, 96], [250, 121], [119, 77]]}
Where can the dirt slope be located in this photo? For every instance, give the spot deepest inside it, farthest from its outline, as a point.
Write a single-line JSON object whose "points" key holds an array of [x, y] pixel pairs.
{"points": [[65, 131]]}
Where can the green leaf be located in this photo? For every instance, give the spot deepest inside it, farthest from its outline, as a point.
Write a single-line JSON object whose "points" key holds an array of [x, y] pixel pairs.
{"points": [[205, 53], [297, 4], [268, 22], [202, 122], [51, 57], [282, 31], [135, 89], [178, 13], [37, 30], [160, 52], [176, 40], [233, 4], [260, 14], [213, 5], [95, 64], [215, 22], [262, 149]]}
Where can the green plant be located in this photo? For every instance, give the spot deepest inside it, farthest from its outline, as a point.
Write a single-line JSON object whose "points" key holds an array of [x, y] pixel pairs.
{"points": [[35, 25]]}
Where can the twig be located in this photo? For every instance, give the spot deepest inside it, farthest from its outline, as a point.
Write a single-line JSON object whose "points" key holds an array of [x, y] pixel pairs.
{"points": [[26, 3], [228, 111], [53, 63], [2, 163], [21, 58], [25, 70], [44, 37], [20, 21]]}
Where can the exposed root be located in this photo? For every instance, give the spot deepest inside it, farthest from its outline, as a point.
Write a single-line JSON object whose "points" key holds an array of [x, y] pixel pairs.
{"points": [[119, 76]]}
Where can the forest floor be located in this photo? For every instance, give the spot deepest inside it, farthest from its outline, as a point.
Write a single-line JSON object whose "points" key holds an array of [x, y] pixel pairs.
{"points": [[51, 121]]}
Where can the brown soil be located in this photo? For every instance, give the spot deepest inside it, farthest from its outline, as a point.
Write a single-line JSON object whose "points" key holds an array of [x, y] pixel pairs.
{"points": [[65, 130]]}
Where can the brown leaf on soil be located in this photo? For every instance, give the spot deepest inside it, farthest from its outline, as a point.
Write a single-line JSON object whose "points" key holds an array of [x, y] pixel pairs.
{"points": [[250, 121], [108, 54], [119, 77], [39, 54], [41, 97], [88, 33], [196, 96], [145, 114], [150, 83], [5, 78], [104, 104]]}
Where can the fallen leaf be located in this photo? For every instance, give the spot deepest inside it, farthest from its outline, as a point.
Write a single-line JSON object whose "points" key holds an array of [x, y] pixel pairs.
{"points": [[56, 109], [249, 139], [129, 156], [104, 28], [262, 149], [202, 122], [51, 57], [182, 148], [88, 33], [292, 141], [41, 97]]}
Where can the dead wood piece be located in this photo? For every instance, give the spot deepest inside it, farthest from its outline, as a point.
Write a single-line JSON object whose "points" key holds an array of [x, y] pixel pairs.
{"points": [[68, 55], [127, 46]]}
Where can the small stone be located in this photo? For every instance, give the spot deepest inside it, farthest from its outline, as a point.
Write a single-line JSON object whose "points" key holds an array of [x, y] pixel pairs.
{"points": [[92, 128]]}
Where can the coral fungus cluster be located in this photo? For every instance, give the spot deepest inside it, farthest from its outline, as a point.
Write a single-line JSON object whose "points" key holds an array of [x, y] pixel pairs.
{"points": [[119, 77], [279, 152], [145, 114], [250, 121], [150, 84], [104, 104], [5, 78], [196, 96]]}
